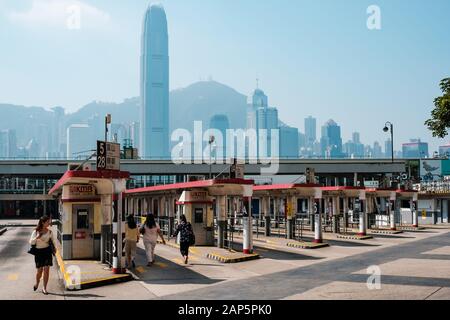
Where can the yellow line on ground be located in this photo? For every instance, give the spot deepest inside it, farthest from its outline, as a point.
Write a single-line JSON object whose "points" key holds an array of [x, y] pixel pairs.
{"points": [[161, 264], [13, 277], [140, 269]]}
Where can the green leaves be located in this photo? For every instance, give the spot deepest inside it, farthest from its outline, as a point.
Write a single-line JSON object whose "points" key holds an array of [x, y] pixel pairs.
{"points": [[440, 116]]}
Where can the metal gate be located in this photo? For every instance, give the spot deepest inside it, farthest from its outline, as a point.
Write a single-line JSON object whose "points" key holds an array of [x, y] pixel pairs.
{"points": [[107, 244]]}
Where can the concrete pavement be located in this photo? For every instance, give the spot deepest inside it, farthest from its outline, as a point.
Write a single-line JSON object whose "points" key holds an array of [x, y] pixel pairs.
{"points": [[413, 265]]}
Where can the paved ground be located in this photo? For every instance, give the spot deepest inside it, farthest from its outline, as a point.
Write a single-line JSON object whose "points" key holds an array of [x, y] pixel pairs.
{"points": [[413, 265]]}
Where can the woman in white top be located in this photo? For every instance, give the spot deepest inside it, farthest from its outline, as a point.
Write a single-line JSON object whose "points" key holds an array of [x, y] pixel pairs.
{"points": [[150, 231], [43, 258]]}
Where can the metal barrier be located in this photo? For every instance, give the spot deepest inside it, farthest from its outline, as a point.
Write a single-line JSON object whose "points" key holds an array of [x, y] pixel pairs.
{"points": [[107, 245]]}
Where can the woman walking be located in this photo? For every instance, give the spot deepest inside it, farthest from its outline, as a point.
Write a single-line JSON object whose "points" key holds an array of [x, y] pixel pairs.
{"points": [[150, 231], [131, 240], [184, 228], [42, 237]]}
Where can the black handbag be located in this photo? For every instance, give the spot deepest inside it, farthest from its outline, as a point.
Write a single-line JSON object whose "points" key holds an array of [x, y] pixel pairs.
{"points": [[191, 236], [51, 245], [33, 250]]}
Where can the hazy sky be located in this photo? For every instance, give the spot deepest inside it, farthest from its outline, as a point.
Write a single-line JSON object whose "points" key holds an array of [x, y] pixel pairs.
{"points": [[312, 57]]}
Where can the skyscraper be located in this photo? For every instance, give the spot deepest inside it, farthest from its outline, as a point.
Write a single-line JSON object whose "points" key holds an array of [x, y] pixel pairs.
{"points": [[415, 149], [79, 141], [388, 148], [331, 141], [220, 122], [310, 130], [155, 84], [289, 146]]}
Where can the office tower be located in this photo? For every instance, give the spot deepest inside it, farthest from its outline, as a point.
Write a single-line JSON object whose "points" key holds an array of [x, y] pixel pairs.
{"points": [[310, 130], [415, 149], [289, 146], [43, 138], [8, 143], [58, 133], [388, 149], [155, 84], [301, 140], [331, 141], [377, 150], [80, 144], [444, 151], [221, 123], [134, 135]]}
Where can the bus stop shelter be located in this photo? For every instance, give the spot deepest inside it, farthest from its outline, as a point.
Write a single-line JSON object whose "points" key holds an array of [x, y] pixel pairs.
{"points": [[287, 196], [91, 219], [197, 200]]}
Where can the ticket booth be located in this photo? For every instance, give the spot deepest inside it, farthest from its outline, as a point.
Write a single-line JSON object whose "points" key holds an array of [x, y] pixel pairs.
{"points": [[86, 202], [197, 207]]}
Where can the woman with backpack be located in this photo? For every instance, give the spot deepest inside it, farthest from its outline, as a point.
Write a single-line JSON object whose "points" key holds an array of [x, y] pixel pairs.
{"points": [[187, 237], [43, 248], [150, 231]]}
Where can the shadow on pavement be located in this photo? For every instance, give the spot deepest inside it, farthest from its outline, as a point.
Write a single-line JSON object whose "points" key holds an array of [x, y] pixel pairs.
{"points": [[165, 270]]}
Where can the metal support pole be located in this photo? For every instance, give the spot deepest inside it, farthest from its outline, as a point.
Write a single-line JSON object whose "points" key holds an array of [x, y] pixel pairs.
{"points": [[317, 221]]}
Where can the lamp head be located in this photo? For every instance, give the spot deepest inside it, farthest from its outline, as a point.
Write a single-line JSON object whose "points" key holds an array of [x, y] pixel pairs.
{"points": [[386, 129]]}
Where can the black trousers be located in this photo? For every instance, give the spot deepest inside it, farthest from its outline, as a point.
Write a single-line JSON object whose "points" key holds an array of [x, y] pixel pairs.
{"points": [[184, 248]]}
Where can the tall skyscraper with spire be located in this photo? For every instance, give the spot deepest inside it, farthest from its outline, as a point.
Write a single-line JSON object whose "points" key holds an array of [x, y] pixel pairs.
{"points": [[154, 140]]}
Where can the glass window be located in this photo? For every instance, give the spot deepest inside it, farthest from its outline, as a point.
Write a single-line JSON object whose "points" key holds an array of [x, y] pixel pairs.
{"points": [[198, 215], [82, 219]]}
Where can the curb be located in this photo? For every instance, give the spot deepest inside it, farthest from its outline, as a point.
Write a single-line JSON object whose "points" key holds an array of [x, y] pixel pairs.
{"points": [[380, 231], [353, 237], [217, 257], [3, 230], [307, 245], [67, 281], [410, 228]]}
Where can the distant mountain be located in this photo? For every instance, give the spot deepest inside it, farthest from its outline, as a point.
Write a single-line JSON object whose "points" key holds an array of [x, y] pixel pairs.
{"points": [[25, 120], [125, 112], [197, 102], [202, 100]]}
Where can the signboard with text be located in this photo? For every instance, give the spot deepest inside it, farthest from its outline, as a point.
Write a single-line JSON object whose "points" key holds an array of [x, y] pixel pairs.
{"points": [[108, 156]]}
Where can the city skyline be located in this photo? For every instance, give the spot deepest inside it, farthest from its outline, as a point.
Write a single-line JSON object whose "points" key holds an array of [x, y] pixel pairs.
{"points": [[379, 100]]}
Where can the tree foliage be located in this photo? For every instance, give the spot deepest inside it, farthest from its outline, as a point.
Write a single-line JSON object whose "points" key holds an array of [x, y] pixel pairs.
{"points": [[440, 116]]}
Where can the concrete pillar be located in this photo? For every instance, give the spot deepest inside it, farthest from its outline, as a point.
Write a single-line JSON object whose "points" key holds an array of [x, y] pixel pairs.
{"points": [[289, 217], [266, 208], [392, 224], [317, 220], [362, 218], [345, 212], [248, 232], [413, 206], [335, 212], [221, 220], [171, 215], [311, 212], [276, 209]]}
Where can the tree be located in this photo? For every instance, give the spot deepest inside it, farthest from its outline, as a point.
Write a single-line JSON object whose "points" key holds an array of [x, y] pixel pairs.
{"points": [[440, 116]]}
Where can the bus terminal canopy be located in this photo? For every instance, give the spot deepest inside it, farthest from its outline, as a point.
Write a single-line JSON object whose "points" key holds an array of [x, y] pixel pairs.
{"points": [[104, 181], [307, 190], [215, 187], [341, 191]]}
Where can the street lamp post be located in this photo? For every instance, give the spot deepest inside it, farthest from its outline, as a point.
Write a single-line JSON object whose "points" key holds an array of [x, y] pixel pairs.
{"points": [[211, 141], [107, 121], [391, 128]]}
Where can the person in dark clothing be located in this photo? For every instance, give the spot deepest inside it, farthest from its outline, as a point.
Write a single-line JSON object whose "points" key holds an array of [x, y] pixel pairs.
{"points": [[184, 228]]}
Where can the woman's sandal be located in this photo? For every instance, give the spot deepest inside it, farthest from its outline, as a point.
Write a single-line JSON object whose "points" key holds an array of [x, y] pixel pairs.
{"points": [[44, 291], [35, 288]]}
